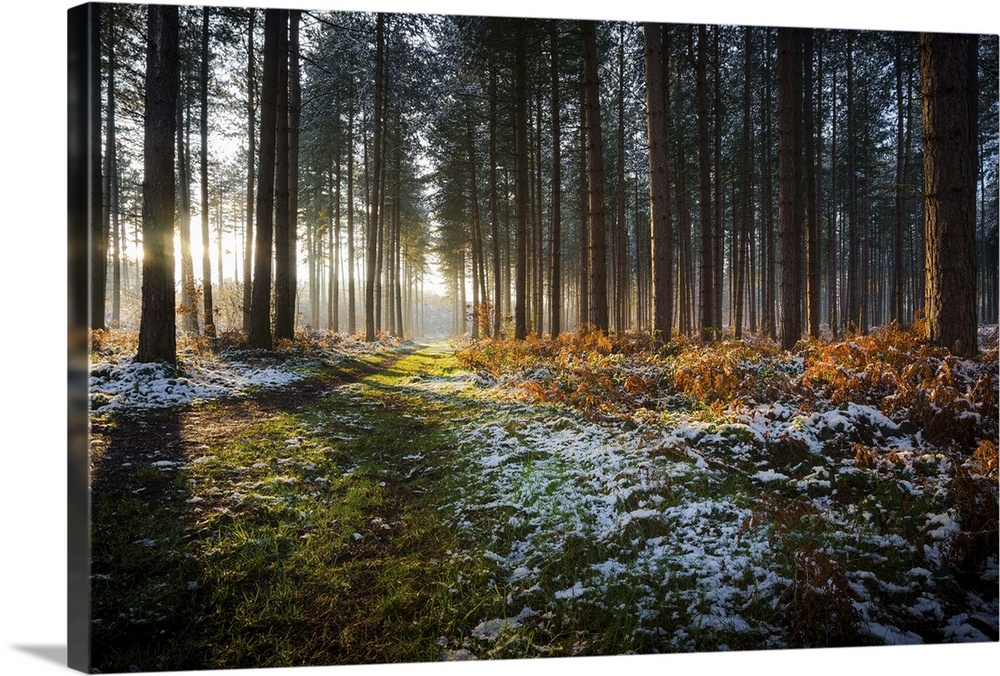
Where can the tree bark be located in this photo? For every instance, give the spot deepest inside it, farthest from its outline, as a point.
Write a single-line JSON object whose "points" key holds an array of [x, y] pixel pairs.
{"points": [[555, 233], [251, 176], [707, 277], [157, 328], [260, 316], [373, 221], [949, 106], [189, 305], [206, 253], [98, 231], [520, 184], [656, 67], [283, 312], [789, 59], [595, 175]]}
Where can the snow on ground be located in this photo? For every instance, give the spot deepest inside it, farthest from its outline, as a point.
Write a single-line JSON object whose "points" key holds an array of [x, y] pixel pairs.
{"points": [[654, 522], [117, 382], [131, 385]]}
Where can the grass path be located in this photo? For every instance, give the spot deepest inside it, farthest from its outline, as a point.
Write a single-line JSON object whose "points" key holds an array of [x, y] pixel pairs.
{"points": [[299, 527]]}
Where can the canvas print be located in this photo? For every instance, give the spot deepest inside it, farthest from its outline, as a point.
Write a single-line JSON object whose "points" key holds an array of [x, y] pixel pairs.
{"points": [[408, 337]]}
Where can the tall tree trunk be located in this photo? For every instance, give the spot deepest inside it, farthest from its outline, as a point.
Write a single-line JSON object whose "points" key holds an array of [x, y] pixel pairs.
{"points": [[251, 177], [595, 174], [294, 116], [621, 284], [351, 309], [657, 87], [812, 214], [789, 59], [189, 305], [768, 318], [896, 311], [949, 94], [538, 259], [333, 300], [745, 197], [494, 206], [584, 196], [707, 278], [373, 221], [854, 302], [520, 183], [98, 231], [157, 328], [283, 310], [833, 214], [555, 233], [206, 249], [260, 317], [111, 221], [718, 244]]}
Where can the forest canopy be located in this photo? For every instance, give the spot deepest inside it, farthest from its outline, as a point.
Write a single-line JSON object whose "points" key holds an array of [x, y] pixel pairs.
{"points": [[424, 174]]}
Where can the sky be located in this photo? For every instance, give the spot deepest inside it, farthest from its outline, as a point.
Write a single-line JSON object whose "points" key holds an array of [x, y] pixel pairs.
{"points": [[32, 376]]}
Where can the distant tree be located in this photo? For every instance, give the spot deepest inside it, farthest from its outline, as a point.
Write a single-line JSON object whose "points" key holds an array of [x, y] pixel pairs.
{"points": [[595, 175], [555, 233], [157, 337], [520, 184], [707, 266], [251, 177], [949, 109], [206, 258]]}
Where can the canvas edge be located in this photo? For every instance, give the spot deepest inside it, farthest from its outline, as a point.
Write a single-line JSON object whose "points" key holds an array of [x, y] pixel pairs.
{"points": [[81, 21]]}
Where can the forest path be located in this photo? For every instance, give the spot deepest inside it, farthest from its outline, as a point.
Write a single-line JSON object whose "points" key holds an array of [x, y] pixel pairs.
{"points": [[297, 526]]}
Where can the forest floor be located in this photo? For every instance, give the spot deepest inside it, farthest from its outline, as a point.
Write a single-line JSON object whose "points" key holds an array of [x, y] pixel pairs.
{"points": [[339, 502]]}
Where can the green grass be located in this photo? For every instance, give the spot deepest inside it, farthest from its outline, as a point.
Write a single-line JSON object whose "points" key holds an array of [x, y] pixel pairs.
{"points": [[331, 549]]}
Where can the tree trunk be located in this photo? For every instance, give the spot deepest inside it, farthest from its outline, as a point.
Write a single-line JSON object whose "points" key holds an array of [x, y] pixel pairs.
{"points": [[111, 222], [789, 59], [853, 318], [656, 67], [745, 197], [189, 305], [260, 318], [833, 215], [707, 278], [294, 115], [494, 206], [351, 309], [373, 221], [283, 311], [520, 184], [555, 233], [584, 196], [157, 328], [812, 215], [206, 249], [949, 107], [718, 244], [251, 177], [98, 231], [595, 174]]}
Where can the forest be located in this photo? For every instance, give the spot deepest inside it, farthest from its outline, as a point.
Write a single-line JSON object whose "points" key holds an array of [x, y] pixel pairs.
{"points": [[418, 337]]}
